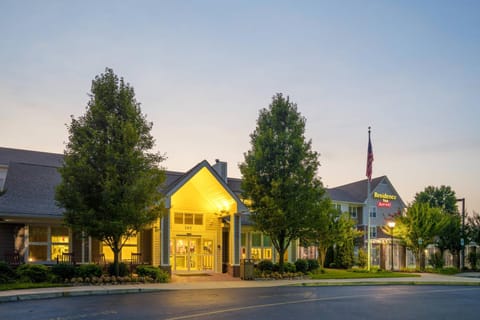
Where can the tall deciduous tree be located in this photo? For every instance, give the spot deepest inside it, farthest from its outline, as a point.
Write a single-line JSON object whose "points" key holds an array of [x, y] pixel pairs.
{"points": [[110, 180], [419, 227], [279, 174], [444, 198]]}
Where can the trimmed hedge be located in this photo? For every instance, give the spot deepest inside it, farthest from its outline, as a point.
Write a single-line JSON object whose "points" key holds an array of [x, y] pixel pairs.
{"points": [[88, 270], [155, 273], [7, 274], [33, 273], [63, 271]]}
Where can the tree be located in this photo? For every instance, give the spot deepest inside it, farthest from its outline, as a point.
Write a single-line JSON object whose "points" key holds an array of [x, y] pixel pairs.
{"points": [[473, 228], [444, 198], [330, 227], [279, 175], [439, 197], [110, 182], [419, 228]]}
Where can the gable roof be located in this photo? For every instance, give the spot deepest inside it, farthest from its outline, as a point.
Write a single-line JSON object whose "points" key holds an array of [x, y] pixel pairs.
{"points": [[174, 185], [356, 192], [8, 155], [30, 191], [32, 177]]}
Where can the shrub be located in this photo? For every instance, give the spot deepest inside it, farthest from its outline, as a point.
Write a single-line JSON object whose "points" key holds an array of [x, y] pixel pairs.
{"points": [[265, 265], [33, 273], [362, 258], [89, 271], [122, 267], [436, 260], [6, 273], [63, 271], [473, 259], [288, 267], [448, 271], [301, 265], [155, 273], [313, 264]]}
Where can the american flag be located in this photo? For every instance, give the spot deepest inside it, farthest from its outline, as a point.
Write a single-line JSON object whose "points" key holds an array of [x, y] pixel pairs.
{"points": [[369, 158]]}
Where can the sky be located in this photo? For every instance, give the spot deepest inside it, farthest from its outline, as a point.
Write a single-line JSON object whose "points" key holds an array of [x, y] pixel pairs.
{"points": [[202, 70]]}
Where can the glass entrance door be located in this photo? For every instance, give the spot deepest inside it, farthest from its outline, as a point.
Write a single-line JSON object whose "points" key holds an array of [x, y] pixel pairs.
{"points": [[192, 253], [187, 253]]}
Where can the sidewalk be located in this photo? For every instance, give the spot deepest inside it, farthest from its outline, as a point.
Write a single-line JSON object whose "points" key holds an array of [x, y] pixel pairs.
{"points": [[220, 281]]}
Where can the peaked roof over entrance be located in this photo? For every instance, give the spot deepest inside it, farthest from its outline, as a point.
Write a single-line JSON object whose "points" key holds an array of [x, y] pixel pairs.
{"points": [[205, 184]]}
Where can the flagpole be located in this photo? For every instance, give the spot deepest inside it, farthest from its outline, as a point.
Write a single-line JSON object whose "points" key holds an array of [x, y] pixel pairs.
{"points": [[369, 176], [369, 244]]}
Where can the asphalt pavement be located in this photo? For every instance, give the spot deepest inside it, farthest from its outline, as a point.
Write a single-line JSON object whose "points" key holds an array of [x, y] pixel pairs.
{"points": [[216, 281]]}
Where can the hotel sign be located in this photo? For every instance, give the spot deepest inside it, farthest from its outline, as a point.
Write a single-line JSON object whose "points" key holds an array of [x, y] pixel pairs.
{"points": [[384, 199]]}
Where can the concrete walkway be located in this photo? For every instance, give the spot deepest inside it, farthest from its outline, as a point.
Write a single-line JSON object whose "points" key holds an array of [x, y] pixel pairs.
{"points": [[219, 281]]}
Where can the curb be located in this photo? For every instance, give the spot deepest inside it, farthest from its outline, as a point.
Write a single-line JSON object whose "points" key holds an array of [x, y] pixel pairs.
{"points": [[61, 294]]}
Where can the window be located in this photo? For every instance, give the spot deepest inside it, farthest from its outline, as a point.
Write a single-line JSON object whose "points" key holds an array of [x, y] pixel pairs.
{"points": [[256, 239], [47, 243], [373, 231], [188, 218], [353, 211], [178, 218], [60, 241], [373, 212], [337, 206]]}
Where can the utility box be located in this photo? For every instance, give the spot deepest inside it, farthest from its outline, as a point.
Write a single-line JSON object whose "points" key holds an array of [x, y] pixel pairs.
{"points": [[246, 269]]}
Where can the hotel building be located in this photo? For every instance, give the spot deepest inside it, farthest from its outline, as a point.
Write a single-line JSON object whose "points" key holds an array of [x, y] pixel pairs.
{"points": [[207, 227]]}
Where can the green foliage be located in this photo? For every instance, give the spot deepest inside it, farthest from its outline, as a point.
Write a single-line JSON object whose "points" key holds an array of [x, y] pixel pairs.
{"points": [[6, 273], [419, 228], [122, 269], [447, 271], [444, 198], [63, 271], [313, 265], [89, 270], [362, 259], [288, 267], [33, 273], [110, 182], [329, 227], [473, 259], [344, 255], [436, 260], [155, 273], [473, 228], [265, 265], [439, 197], [280, 174], [301, 265]]}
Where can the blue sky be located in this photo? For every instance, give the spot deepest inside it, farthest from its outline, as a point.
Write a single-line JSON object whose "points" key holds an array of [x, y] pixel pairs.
{"points": [[203, 69]]}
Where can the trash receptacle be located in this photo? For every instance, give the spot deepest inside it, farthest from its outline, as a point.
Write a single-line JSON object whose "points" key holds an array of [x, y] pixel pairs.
{"points": [[246, 269]]}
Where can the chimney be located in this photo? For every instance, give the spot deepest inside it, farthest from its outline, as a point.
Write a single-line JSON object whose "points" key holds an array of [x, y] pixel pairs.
{"points": [[221, 168]]}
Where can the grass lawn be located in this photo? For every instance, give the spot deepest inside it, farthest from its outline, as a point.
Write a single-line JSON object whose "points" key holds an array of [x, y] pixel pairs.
{"points": [[348, 274], [28, 285]]}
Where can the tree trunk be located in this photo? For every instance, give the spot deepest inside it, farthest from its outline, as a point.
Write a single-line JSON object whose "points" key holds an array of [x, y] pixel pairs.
{"points": [[116, 252], [281, 252], [322, 252]]}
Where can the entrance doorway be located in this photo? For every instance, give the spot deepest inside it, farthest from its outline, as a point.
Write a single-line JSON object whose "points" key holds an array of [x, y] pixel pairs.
{"points": [[192, 253]]}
